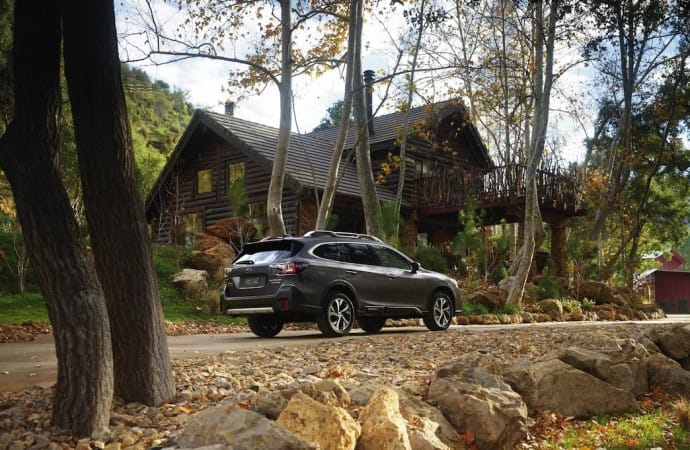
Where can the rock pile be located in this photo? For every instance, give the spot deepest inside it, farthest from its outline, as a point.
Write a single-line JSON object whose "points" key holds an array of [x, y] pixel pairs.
{"points": [[475, 399]]}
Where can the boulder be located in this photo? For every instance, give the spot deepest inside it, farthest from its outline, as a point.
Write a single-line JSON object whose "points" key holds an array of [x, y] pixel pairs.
{"points": [[668, 375], [190, 281], [233, 427], [204, 241], [496, 417], [316, 423], [383, 427], [213, 261], [233, 229], [472, 396], [569, 391], [490, 299], [550, 305], [674, 341], [328, 392], [600, 292]]}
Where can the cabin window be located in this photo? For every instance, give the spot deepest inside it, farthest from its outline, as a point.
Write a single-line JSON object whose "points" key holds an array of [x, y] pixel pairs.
{"points": [[187, 228], [235, 173], [204, 181], [257, 211], [421, 166]]}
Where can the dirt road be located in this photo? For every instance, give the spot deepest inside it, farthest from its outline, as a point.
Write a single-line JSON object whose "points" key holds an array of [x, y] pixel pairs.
{"points": [[34, 364]]}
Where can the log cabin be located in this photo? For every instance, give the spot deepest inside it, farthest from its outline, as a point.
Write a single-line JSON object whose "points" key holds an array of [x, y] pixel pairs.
{"points": [[448, 169]]}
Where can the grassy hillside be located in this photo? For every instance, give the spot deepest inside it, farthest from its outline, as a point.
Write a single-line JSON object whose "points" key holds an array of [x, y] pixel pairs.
{"points": [[18, 307]]}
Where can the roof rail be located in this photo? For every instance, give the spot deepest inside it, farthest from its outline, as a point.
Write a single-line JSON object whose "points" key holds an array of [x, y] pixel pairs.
{"points": [[329, 233], [270, 238]]}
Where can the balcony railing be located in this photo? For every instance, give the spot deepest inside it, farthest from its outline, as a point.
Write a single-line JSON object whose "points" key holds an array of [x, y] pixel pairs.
{"points": [[504, 185]]}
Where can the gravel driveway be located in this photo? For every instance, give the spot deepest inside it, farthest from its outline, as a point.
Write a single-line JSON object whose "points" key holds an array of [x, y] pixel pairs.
{"points": [[399, 357]]}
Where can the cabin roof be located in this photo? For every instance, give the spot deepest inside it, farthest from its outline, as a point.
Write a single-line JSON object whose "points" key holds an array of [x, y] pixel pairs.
{"points": [[309, 156]]}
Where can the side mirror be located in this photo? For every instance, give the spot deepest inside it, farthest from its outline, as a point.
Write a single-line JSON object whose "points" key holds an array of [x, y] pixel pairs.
{"points": [[415, 266]]}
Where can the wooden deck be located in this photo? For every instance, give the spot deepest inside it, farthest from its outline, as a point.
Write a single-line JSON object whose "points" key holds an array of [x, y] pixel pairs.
{"points": [[501, 188]]}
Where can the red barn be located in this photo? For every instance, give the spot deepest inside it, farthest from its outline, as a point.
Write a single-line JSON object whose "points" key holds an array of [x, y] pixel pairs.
{"points": [[669, 286]]}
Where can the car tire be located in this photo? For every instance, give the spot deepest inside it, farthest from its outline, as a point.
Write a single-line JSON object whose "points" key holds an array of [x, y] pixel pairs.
{"points": [[441, 312], [371, 324], [264, 326], [338, 315]]}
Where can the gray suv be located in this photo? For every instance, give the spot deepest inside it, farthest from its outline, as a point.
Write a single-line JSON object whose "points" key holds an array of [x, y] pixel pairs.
{"points": [[333, 279]]}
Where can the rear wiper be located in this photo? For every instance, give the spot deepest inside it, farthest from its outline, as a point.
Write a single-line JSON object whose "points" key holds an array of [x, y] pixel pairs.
{"points": [[248, 261]]}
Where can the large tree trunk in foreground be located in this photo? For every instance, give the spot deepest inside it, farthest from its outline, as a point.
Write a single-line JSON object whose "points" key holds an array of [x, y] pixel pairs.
{"points": [[114, 209], [72, 293]]}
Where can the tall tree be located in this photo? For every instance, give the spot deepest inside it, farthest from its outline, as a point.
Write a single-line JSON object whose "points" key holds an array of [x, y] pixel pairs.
{"points": [[115, 212], [73, 294], [367, 185], [640, 41], [544, 41]]}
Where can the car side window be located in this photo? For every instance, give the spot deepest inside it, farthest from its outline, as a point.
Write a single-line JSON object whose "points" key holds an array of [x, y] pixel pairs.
{"points": [[390, 258], [361, 254], [333, 252]]}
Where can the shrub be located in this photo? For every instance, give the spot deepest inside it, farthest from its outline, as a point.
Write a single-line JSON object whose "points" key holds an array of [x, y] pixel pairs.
{"points": [[588, 304], [469, 309], [431, 258], [548, 287], [498, 274], [212, 301], [571, 305], [509, 308]]}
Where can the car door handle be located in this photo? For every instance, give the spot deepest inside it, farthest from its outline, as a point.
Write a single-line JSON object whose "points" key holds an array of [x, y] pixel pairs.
{"points": [[351, 272], [391, 277]]}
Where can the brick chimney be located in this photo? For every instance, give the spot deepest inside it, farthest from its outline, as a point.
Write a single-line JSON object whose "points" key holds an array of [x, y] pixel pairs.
{"points": [[229, 108], [369, 89]]}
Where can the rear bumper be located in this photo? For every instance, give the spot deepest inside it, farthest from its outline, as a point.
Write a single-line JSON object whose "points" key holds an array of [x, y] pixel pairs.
{"points": [[287, 301]]}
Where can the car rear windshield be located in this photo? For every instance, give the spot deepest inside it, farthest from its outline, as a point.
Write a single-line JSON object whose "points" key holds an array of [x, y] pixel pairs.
{"points": [[267, 252]]}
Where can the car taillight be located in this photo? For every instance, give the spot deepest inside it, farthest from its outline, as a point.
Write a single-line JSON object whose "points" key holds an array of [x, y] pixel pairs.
{"points": [[289, 267]]}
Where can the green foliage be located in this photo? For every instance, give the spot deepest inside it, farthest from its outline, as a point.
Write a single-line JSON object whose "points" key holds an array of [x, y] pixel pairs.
{"points": [[6, 85], [472, 309], [548, 287], [471, 244], [334, 115], [389, 223], [655, 429], [158, 116], [431, 258], [238, 198], [498, 273], [588, 304], [509, 309], [571, 305]]}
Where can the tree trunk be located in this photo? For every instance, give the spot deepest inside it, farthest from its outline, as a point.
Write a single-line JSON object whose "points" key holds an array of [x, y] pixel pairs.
{"points": [[543, 67], [114, 209], [73, 295], [367, 185], [274, 210], [331, 187]]}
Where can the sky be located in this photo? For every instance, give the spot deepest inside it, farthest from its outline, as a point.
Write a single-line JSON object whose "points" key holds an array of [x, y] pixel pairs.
{"points": [[204, 80]]}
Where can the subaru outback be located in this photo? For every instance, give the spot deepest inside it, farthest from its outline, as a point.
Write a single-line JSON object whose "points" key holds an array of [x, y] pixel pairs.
{"points": [[334, 279]]}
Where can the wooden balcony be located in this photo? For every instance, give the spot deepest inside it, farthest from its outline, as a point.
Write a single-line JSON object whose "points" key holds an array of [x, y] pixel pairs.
{"points": [[500, 191]]}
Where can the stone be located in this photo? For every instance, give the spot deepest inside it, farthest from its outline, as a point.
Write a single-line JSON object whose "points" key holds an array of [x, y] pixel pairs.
{"points": [[383, 427], [234, 427], [316, 423], [190, 280], [600, 292], [550, 305], [668, 375], [205, 241], [213, 260], [233, 229], [674, 342], [566, 390], [328, 392], [496, 417]]}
